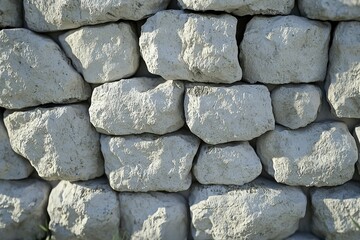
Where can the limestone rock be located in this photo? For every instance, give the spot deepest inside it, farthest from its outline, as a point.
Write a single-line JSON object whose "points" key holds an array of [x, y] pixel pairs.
{"points": [[333, 10], [322, 154], [231, 163], [257, 210], [241, 8], [186, 46], [11, 13], [343, 79], [220, 114], [284, 49], [357, 139], [84, 210], [54, 15], [153, 216], [59, 142], [12, 165], [302, 236], [103, 53], [34, 71], [296, 106], [149, 162], [23, 209], [138, 105], [335, 209]]}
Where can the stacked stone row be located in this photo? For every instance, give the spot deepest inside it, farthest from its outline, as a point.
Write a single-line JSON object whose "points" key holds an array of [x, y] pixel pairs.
{"points": [[161, 120]]}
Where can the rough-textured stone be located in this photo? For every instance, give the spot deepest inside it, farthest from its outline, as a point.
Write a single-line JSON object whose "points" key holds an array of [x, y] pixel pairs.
{"points": [[12, 165], [59, 142], [220, 114], [357, 139], [335, 209], [302, 236], [181, 46], [322, 154], [231, 163], [257, 210], [23, 209], [138, 105], [103, 53], [296, 106], [11, 13], [153, 216], [284, 49], [333, 10], [241, 8], [54, 15], [343, 79], [149, 162], [84, 210], [34, 71]]}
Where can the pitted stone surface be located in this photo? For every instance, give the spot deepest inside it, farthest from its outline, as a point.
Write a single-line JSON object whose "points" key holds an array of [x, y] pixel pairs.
{"points": [[257, 210], [220, 114], [153, 216], [34, 71], [11, 13], [186, 46], [296, 106], [54, 15], [343, 80], [285, 49], [231, 163], [335, 209], [59, 142], [149, 162], [103, 53], [84, 210], [12, 165], [332, 10], [241, 8], [23, 209], [322, 154], [138, 105]]}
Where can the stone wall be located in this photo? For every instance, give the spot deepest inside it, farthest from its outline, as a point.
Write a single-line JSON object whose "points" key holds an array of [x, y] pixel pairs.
{"points": [[188, 119]]}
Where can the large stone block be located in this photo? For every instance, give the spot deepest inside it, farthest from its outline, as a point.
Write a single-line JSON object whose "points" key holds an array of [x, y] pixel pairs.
{"points": [[11, 13]]}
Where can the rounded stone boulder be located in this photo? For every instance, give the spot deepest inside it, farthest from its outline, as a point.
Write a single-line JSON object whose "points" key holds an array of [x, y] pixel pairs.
{"points": [[220, 114], [138, 105], [153, 215], [296, 106], [59, 142], [258, 210], [84, 210], [103, 53], [11, 13], [285, 49], [321, 154]]}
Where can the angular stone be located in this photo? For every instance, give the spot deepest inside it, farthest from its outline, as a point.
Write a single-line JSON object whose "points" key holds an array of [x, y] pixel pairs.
{"points": [[335, 210], [296, 106], [258, 210], [343, 79], [103, 53], [59, 142], [149, 162], [153, 216], [35, 71], [51, 15], [12, 165], [84, 210], [185, 46], [11, 13], [138, 105], [231, 163], [333, 10], [302, 236], [357, 139], [241, 8], [220, 114], [285, 49], [23, 209], [322, 154]]}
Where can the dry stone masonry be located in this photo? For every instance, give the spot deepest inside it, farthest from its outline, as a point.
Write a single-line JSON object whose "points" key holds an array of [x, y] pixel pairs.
{"points": [[179, 119]]}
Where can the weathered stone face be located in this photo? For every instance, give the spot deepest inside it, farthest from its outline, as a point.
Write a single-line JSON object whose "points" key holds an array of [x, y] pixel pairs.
{"points": [[11, 13]]}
